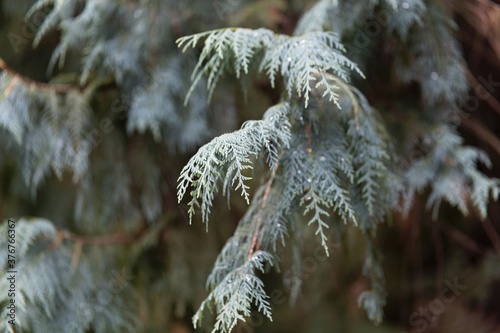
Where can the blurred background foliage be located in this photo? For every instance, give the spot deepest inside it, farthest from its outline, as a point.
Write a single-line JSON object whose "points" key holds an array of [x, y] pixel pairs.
{"points": [[117, 214]]}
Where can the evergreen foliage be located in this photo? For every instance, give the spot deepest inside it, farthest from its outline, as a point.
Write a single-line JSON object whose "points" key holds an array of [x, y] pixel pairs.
{"points": [[229, 156], [127, 136], [298, 60], [48, 279]]}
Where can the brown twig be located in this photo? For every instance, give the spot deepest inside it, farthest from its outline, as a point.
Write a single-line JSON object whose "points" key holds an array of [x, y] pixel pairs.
{"points": [[463, 239], [482, 16], [309, 138], [75, 258], [113, 239], [80, 241], [489, 98], [439, 252], [482, 132], [59, 239], [11, 86], [59, 88], [492, 234], [253, 246], [491, 57]]}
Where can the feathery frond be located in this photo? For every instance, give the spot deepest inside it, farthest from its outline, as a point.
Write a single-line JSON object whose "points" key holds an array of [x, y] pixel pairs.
{"points": [[297, 59], [226, 158]]}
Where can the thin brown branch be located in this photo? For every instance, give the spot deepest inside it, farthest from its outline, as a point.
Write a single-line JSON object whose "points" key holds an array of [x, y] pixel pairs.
{"points": [[75, 258], [463, 239], [482, 132], [491, 57], [309, 138], [59, 239], [113, 239], [492, 234], [489, 98], [11, 86], [439, 252], [253, 246], [59, 88], [483, 16]]}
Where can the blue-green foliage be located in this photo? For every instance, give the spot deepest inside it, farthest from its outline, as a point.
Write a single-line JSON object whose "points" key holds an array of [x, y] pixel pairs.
{"points": [[330, 162], [354, 180], [46, 279], [226, 158], [451, 169], [298, 60]]}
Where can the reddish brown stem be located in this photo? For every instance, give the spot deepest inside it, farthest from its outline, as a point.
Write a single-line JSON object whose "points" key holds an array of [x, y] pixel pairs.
{"points": [[492, 234], [113, 239], [482, 132], [59, 88], [253, 246]]}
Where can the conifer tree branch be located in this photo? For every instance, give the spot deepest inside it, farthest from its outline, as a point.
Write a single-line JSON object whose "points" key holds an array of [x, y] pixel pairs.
{"points": [[346, 88], [332, 160]]}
